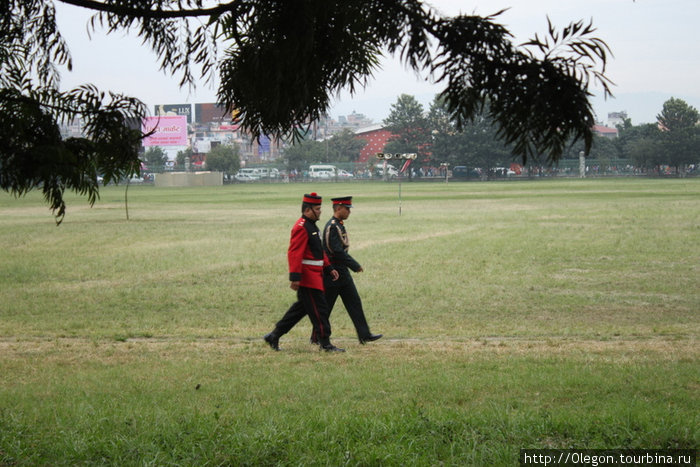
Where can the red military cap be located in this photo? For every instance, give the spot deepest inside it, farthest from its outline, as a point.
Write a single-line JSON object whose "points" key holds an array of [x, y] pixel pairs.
{"points": [[344, 201], [312, 198]]}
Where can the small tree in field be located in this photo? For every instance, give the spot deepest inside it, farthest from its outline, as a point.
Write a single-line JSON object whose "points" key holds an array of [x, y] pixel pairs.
{"points": [[155, 158], [182, 155], [224, 159]]}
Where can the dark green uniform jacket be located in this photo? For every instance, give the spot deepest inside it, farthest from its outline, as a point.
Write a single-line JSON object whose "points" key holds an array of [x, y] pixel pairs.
{"points": [[336, 245]]}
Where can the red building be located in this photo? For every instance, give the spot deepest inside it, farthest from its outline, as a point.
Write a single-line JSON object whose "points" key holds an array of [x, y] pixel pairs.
{"points": [[605, 131], [376, 137]]}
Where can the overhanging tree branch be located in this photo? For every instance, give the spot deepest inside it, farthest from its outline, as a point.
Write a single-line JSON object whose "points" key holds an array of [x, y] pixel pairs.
{"points": [[120, 9]]}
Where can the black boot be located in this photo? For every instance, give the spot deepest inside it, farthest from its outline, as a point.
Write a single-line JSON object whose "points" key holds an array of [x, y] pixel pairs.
{"points": [[273, 340], [370, 338], [328, 347]]}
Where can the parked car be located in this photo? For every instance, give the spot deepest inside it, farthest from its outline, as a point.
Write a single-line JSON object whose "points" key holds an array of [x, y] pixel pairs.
{"points": [[344, 174], [461, 171], [502, 172], [390, 170]]}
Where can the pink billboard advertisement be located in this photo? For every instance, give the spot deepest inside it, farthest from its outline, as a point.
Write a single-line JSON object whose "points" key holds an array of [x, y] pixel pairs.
{"points": [[169, 130]]}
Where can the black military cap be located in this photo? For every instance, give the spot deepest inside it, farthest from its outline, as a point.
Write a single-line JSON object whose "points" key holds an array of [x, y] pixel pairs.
{"points": [[344, 201]]}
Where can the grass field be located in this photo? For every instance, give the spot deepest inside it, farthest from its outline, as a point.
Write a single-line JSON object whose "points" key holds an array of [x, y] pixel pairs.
{"points": [[544, 314]]}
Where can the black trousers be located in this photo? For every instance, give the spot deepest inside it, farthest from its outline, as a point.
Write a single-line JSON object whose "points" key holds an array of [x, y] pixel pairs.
{"points": [[345, 288], [311, 303]]}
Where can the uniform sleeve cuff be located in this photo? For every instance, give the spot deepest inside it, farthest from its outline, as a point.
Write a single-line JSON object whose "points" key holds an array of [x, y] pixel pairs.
{"points": [[294, 276]]}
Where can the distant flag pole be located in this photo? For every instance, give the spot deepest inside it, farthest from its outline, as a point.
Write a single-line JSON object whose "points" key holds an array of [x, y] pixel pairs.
{"points": [[408, 158], [399, 197], [405, 165]]}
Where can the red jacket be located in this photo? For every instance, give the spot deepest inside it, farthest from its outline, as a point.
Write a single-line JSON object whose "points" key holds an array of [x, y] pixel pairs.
{"points": [[305, 255]]}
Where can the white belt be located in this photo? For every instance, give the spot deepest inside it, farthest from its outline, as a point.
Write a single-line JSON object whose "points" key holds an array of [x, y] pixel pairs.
{"points": [[312, 262]]}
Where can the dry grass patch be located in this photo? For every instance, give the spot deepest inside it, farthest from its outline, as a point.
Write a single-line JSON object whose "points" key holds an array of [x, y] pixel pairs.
{"points": [[80, 350]]}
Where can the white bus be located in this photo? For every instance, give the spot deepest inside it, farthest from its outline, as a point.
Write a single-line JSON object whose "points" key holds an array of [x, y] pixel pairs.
{"points": [[323, 171]]}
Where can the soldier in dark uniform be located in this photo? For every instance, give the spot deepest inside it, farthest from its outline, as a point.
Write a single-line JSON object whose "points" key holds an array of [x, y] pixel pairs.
{"points": [[307, 262], [336, 245]]}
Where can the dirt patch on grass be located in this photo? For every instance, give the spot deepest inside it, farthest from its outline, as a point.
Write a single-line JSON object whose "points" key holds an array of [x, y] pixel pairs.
{"points": [[75, 350]]}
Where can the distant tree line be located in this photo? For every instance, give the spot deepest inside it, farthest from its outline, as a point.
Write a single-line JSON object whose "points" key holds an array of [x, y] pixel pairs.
{"points": [[674, 140]]}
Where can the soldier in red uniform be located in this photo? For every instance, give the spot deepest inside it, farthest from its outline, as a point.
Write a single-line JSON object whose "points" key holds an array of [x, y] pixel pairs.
{"points": [[306, 264]]}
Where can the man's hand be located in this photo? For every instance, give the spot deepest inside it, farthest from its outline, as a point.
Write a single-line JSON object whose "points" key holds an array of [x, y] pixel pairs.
{"points": [[294, 285], [334, 275]]}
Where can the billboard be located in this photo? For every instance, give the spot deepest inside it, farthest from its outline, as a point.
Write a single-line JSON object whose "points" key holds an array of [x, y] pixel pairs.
{"points": [[211, 113], [227, 127], [169, 131], [174, 109], [263, 145]]}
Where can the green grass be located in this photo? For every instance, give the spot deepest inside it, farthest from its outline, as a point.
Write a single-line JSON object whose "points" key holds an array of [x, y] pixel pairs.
{"points": [[552, 314]]}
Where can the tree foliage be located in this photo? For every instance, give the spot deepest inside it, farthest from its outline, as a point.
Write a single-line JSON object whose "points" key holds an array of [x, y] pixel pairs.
{"points": [[473, 144], [278, 64], [676, 115], [303, 153], [680, 135], [224, 159], [445, 146], [155, 157], [341, 147], [181, 156], [33, 153], [648, 146], [345, 147], [409, 128], [674, 140]]}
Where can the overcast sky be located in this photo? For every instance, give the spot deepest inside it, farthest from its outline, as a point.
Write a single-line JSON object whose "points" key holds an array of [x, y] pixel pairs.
{"points": [[655, 43]]}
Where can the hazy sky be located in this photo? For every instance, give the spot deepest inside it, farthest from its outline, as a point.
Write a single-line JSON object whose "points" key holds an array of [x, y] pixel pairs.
{"points": [[655, 43]]}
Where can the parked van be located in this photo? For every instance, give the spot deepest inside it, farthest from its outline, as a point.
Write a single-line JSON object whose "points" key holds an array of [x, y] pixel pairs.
{"points": [[323, 171], [266, 172], [256, 173], [247, 175]]}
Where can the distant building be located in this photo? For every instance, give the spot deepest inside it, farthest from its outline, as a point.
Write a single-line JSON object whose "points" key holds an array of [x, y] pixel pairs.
{"points": [[616, 118], [72, 129], [326, 126], [354, 120], [376, 137], [210, 125], [605, 131]]}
